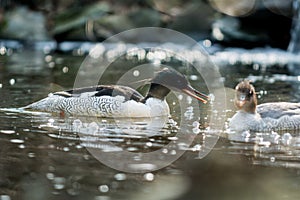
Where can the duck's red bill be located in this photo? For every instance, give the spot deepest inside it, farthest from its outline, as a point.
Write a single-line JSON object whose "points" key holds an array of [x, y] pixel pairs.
{"points": [[196, 94]]}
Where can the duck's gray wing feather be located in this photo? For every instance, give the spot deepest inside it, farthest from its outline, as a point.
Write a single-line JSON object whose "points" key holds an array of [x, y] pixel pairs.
{"points": [[103, 90], [278, 109]]}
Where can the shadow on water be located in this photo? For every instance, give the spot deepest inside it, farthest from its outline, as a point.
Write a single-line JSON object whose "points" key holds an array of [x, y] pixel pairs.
{"points": [[48, 157]]}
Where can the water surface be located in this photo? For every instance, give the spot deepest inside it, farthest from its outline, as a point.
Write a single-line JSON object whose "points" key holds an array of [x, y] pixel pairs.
{"points": [[46, 156]]}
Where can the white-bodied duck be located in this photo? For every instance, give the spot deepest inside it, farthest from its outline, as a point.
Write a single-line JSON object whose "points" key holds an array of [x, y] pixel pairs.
{"points": [[263, 117], [117, 100]]}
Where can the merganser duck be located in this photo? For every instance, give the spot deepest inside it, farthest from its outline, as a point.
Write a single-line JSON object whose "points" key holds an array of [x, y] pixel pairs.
{"points": [[117, 100], [264, 117]]}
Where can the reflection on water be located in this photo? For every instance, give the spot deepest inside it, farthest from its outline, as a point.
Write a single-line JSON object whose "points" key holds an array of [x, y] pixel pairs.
{"points": [[48, 157], [268, 149]]}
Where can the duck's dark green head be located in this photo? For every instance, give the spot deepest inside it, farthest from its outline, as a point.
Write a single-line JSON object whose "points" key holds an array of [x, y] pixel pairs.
{"points": [[169, 79]]}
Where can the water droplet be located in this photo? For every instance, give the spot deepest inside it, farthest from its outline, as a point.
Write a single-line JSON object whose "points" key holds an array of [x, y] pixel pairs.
{"points": [[194, 77], [132, 149], [51, 65], [173, 138], [272, 159], [1, 85], [165, 151], [196, 130], [2, 50], [196, 124], [66, 149], [17, 141], [150, 55], [207, 43], [7, 131], [149, 144], [86, 157], [31, 155], [149, 177], [180, 97], [120, 177], [197, 147], [48, 58], [12, 81], [136, 73], [217, 33], [50, 176], [103, 188], [189, 113], [256, 67], [173, 152], [65, 69], [22, 146], [59, 183]]}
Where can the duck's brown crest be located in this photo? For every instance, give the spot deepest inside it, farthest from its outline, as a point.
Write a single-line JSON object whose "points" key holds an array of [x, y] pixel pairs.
{"points": [[245, 86]]}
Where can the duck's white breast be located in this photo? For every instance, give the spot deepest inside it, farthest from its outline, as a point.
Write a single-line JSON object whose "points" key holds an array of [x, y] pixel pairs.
{"points": [[151, 108], [243, 121]]}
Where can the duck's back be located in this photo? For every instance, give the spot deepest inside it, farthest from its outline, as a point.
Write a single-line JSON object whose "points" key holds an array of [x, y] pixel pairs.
{"points": [[101, 100], [277, 110], [281, 115]]}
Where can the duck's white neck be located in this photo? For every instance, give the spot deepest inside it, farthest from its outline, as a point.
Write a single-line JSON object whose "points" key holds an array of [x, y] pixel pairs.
{"points": [[158, 107], [153, 107], [243, 120]]}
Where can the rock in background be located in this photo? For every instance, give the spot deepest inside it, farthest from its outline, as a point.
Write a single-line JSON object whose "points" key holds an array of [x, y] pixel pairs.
{"points": [[24, 24]]}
